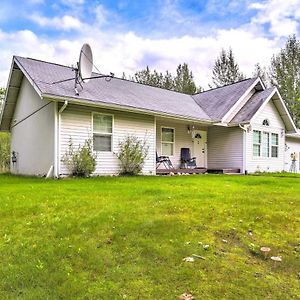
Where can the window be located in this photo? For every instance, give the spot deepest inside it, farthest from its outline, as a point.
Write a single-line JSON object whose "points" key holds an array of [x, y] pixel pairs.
{"points": [[265, 144], [266, 122], [167, 141], [102, 132], [256, 142], [274, 145]]}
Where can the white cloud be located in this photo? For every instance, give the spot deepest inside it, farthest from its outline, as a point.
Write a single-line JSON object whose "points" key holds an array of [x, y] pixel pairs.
{"points": [[283, 16], [65, 23], [129, 52], [117, 52]]}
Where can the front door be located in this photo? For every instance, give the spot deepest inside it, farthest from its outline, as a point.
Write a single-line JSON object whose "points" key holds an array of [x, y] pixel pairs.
{"points": [[200, 148]]}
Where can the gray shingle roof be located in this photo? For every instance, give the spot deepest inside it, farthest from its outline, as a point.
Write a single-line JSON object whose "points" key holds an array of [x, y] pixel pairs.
{"points": [[251, 107], [217, 102], [115, 92]]}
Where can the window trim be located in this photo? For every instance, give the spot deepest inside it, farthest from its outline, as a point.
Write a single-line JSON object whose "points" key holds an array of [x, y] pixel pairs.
{"points": [[261, 144], [161, 141], [103, 133], [257, 144], [273, 145]]}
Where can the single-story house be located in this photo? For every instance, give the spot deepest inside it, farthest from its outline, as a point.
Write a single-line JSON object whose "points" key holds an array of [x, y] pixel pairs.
{"points": [[242, 126]]}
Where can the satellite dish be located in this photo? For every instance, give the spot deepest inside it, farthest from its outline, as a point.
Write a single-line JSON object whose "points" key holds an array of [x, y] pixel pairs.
{"points": [[85, 65], [83, 71]]}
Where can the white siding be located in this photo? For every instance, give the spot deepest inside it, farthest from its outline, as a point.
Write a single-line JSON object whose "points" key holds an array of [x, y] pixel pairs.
{"points": [[76, 123], [266, 164], [293, 145], [183, 139], [225, 148], [32, 139]]}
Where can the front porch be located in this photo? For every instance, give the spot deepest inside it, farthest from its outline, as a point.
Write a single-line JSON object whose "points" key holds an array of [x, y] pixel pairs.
{"points": [[212, 149], [174, 136]]}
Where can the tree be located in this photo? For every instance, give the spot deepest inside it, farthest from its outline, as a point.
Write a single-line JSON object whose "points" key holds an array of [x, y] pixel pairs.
{"points": [[184, 80], [285, 74], [261, 72], [2, 94], [146, 76], [4, 140], [226, 70]]}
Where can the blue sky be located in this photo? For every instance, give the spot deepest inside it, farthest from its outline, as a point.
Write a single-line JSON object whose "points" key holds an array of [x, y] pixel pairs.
{"points": [[128, 35]]}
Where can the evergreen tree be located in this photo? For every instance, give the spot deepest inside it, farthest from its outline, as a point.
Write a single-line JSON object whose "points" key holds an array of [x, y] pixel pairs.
{"points": [[226, 70], [4, 140], [261, 72], [147, 77], [285, 74], [168, 81], [2, 95], [184, 80]]}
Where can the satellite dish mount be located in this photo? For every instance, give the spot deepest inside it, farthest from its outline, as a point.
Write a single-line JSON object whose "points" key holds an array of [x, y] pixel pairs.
{"points": [[84, 68]]}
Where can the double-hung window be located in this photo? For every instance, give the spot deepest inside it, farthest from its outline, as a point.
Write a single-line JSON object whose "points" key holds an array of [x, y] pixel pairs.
{"points": [[102, 132], [167, 141], [256, 143], [274, 145], [265, 144]]}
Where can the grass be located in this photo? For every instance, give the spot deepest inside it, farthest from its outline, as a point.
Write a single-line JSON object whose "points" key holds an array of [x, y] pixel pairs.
{"points": [[125, 238]]}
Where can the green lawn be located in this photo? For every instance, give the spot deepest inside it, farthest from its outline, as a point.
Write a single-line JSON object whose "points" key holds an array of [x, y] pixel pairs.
{"points": [[125, 238]]}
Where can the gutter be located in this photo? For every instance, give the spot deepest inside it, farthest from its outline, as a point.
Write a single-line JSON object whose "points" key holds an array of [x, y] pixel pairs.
{"points": [[125, 109]]}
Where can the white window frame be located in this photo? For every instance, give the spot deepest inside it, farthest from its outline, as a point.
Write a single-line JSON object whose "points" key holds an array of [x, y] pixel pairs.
{"points": [[103, 133], [263, 141], [161, 141], [258, 144], [273, 145]]}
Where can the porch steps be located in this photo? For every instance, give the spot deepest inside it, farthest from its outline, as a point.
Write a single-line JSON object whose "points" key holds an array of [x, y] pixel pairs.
{"points": [[230, 171], [181, 171]]}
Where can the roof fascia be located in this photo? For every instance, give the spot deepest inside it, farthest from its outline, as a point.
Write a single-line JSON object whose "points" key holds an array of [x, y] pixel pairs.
{"points": [[31, 81], [88, 103], [6, 92], [226, 117], [275, 91], [286, 111], [291, 136]]}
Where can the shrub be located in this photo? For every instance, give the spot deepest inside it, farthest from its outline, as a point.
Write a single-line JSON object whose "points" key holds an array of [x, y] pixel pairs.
{"points": [[80, 162], [4, 152], [132, 154]]}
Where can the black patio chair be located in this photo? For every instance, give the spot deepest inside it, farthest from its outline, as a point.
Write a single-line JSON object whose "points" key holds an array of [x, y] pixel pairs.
{"points": [[186, 160], [165, 160]]}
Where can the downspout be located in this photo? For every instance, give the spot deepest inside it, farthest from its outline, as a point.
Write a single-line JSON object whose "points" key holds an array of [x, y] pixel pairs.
{"points": [[57, 138], [245, 129]]}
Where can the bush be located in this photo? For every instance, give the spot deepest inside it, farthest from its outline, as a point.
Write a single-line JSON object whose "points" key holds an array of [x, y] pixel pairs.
{"points": [[4, 152], [132, 155], [80, 162]]}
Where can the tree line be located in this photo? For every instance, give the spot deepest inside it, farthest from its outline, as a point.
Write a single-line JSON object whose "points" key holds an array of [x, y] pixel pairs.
{"points": [[283, 72]]}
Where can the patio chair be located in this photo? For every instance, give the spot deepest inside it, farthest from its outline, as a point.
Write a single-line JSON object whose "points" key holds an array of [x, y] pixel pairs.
{"points": [[165, 160], [186, 160]]}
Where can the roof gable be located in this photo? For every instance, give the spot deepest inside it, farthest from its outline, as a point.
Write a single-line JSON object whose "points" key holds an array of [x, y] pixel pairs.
{"points": [[257, 103], [217, 102], [247, 112]]}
